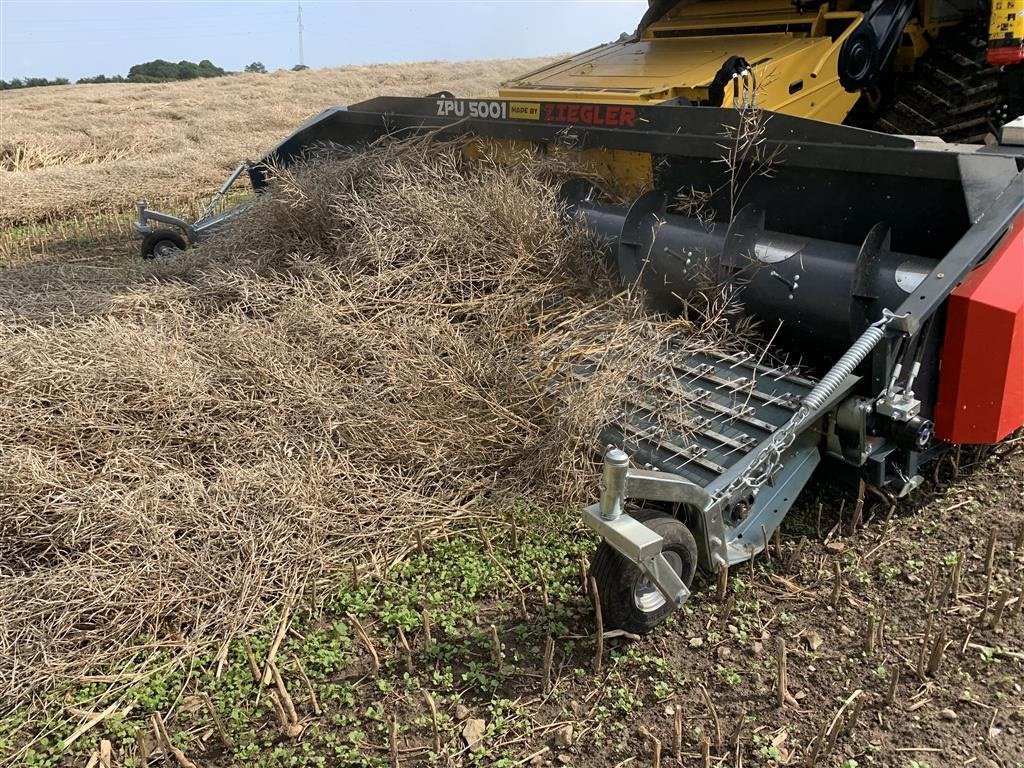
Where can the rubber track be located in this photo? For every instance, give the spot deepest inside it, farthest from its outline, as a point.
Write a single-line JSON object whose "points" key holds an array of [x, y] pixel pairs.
{"points": [[950, 93]]}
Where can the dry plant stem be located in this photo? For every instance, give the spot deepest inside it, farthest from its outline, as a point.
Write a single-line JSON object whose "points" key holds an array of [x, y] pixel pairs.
{"points": [[250, 658], [167, 746], [543, 586], [427, 639], [998, 652], [781, 677], [285, 697], [714, 716], [365, 640], [549, 658], [858, 509], [310, 691], [483, 536], [990, 553], [723, 582], [837, 584], [655, 744], [433, 721], [595, 598], [218, 724], [677, 732], [836, 726], [406, 650], [705, 752], [894, 681], [930, 596], [851, 723], [89, 723], [283, 719], [141, 747], [528, 760], [947, 591], [730, 603], [925, 647], [815, 749], [106, 754], [997, 614], [496, 654], [797, 555], [737, 735], [393, 741], [282, 630], [958, 568], [938, 649]]}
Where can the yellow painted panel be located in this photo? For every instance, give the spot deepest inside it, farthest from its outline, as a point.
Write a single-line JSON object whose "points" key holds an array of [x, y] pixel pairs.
{"points": [[1007, 21]]}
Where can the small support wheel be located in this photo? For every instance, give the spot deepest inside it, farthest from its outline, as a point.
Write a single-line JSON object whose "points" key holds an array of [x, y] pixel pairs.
{"points": [[162, 243], [629, 600]]}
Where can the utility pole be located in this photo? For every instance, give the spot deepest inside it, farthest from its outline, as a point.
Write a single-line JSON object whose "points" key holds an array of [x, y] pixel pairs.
{"points": [[302, 58]]}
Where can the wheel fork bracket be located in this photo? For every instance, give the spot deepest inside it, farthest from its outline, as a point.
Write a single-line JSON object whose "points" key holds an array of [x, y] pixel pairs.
{"points": [[642, 547], [192, 231], [631, 538]]}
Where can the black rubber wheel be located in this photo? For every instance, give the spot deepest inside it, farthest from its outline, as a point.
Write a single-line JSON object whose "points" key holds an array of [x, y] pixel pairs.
{"points": [[628, 600], [162, 242]]}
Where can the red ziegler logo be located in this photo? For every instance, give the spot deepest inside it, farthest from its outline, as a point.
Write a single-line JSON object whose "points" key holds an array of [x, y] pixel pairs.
{"points": [[611, 115]]}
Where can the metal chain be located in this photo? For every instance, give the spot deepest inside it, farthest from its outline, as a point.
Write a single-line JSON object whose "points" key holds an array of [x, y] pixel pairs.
{"points": [[767, 461]]}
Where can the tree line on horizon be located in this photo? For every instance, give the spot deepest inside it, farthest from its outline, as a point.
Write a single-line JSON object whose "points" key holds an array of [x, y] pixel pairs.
{"points": [[156, 71]]}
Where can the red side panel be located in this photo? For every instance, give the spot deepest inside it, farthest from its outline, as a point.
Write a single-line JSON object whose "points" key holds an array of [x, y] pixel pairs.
{"points": [[981, 381], [1005, 56]]}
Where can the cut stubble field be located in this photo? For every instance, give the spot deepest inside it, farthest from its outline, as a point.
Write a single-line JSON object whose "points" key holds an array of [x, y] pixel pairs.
{"points": [[460, 638], [68, 151]]}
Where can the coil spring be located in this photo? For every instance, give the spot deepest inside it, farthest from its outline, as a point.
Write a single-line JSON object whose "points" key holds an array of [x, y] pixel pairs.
{"points": [[769, 458], [837, 374]]}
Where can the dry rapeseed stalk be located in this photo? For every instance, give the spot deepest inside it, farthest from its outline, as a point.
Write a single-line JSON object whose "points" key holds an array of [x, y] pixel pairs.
{"points": [[383, 343]]}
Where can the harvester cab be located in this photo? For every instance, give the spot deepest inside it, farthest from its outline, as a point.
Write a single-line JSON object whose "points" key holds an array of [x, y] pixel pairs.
{"points": [[890, 267]]}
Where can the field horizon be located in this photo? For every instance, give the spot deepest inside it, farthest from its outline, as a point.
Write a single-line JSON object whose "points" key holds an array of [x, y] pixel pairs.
{"points": [[81, 150]]}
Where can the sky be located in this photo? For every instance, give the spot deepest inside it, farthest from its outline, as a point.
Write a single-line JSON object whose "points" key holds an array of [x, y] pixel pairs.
{"points": [[76, 38]]}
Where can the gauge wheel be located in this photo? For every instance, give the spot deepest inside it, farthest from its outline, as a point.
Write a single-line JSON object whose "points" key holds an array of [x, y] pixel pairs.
{"points": [[161, 243], [629, 600]]}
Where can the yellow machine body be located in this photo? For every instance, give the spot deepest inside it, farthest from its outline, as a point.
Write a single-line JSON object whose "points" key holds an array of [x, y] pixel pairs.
{"points": [[792, 52], [1006, 32], [678, 56], [793, 55]]}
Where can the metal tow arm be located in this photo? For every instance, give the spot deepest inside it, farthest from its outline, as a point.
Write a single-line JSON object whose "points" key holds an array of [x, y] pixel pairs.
{"points": [[631, 538]]}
